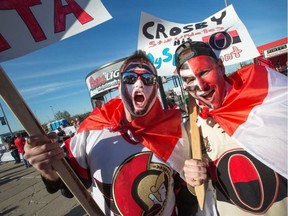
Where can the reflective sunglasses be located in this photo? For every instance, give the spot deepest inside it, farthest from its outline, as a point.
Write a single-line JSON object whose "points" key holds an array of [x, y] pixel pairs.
{"points": [[131, 77]]}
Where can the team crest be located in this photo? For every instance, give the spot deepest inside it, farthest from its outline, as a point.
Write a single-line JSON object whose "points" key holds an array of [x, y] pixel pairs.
{"points": [[140, 187]]}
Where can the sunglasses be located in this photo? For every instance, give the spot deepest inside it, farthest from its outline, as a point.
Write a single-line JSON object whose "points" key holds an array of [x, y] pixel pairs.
{"points": [[131, 77]]}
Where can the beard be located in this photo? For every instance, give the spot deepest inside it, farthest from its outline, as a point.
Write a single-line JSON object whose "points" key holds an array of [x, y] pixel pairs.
{"points": [[129, 105]]}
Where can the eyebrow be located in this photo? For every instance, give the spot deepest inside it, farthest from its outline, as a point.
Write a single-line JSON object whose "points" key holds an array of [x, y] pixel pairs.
{"points": [[133, 65]]}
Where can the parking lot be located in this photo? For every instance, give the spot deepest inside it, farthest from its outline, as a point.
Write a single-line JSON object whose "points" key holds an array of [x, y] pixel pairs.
{"points": [[23, 193]]}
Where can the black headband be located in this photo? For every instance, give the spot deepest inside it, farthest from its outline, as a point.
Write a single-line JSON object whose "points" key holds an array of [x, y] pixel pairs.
{"points": [[196, 48]]}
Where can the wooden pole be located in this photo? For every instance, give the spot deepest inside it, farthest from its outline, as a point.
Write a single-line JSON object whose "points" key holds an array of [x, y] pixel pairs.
{"points": [[196, 145], [18, 106]]}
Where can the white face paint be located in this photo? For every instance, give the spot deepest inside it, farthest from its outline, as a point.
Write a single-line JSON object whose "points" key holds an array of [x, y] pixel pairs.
{"points": [[204, 80], [190, 82], [138, 98]]}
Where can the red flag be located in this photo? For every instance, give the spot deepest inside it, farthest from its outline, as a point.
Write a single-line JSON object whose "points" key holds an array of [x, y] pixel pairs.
{"points": [[159, 130], [254, 114]]}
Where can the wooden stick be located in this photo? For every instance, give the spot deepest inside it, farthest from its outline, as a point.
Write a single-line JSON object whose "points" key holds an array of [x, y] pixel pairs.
{"points": [[196, 145], [20, 109]]}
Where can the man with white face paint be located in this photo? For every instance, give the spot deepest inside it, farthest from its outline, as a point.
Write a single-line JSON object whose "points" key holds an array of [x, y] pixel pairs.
{"points": [[129, 149], [243, 120]]}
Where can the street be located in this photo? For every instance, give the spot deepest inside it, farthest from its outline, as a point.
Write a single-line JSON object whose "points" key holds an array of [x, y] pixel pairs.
{"points": [[22, 192]]}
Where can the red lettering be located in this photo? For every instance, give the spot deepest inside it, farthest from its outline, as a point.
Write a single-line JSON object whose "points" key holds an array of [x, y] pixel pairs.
{"points": [[95, 83], [72, 7], [23, 9], [4, 45]]}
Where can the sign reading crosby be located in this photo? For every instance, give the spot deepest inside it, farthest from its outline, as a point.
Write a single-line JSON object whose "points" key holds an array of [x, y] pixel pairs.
{"points": [[224, 32], [26, 26]]}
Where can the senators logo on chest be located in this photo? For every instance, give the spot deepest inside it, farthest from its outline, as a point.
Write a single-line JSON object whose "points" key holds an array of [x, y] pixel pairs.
{"points": [[139, 187], [242, 180]]}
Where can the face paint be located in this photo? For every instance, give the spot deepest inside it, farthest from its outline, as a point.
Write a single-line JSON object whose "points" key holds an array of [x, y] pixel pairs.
{"points": [[204, 79], [137, 97]]}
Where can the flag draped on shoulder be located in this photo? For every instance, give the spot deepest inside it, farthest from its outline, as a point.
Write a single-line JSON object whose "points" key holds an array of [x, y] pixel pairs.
{"points": [[159, 130], [254, 114]]}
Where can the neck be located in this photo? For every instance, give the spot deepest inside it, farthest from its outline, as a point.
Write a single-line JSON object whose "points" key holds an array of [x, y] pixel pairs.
{"points": [[228, 87], [127, 118]]}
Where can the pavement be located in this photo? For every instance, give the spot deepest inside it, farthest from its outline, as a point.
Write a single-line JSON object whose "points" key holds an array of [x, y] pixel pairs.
{"points": [[22, 193]]}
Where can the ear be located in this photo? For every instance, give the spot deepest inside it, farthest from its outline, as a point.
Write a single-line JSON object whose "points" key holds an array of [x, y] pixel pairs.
{"points": [[221, 65], [220, 62]]}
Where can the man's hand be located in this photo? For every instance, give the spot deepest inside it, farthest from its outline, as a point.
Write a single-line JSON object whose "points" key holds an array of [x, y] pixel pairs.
{"points": [[41, 152], [195, 171]]}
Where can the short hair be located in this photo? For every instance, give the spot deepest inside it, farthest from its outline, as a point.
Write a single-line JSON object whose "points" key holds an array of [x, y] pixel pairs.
{"points": [[138, 55]]}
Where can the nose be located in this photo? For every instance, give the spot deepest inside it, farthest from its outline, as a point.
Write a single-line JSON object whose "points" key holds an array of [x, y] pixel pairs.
{"points": [[139, 83], [201, 84]]}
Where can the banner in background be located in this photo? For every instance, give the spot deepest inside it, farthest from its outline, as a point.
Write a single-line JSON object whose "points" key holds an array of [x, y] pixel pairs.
{"points": [[26, 26], [224, 32]]}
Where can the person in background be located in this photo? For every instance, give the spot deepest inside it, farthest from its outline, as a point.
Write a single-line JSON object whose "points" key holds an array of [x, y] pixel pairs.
{"points": [[13, 150], [171, 100], [77, 122], [20, 143], [243, 119], [61, 134], [130, 150], [98, 103]]}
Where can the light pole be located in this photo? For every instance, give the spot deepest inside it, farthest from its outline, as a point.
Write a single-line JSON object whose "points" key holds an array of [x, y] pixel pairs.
{"points": [[52, 111], [6, 120]]}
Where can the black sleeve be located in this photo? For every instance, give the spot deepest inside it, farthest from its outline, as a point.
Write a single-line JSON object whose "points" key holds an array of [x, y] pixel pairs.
{"points": [[186, 202], [54, 186]]}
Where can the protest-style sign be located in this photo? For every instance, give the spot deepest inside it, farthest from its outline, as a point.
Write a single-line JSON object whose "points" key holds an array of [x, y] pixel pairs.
{"points": [[26, 26], [224, 32]]}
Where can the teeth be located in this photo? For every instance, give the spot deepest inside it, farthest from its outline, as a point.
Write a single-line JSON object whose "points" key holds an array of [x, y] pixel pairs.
{"points": [[200, 93], [203, 93]]}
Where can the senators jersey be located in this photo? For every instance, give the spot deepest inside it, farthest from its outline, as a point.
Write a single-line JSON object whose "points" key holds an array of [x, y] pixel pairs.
{"points": [[127, 178], [239, 183]]}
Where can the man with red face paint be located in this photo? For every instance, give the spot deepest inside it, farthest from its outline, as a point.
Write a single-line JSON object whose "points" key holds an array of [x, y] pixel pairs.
{"points": [[129, 149], [243, 121]]}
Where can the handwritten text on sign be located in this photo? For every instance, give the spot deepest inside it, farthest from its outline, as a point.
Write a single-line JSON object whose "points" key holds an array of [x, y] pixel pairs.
{"points": [[29, 25], [224, 32]]}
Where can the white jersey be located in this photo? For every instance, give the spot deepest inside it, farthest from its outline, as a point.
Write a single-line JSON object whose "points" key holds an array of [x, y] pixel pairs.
{"points": [[127, 178], [240, 184]]}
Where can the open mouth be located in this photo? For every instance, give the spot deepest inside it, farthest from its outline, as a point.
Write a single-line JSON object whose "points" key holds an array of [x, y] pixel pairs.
{"points": [[208, 95], [205, 95], [139, 98]]}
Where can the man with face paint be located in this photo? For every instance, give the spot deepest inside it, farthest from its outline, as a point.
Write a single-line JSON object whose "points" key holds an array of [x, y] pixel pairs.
{"points": [[128, 150], [243, 121]]}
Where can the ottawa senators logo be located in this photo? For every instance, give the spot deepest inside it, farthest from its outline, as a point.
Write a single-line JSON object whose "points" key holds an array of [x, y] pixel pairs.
{"points": [[242, 180], [139, 187]]}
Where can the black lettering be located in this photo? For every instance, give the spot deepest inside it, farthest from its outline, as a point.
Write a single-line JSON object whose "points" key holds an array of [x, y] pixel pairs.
{"points": [[219, 20], [145, 30], [175, 31], [188, 28], [201, 25], [160, 29]]}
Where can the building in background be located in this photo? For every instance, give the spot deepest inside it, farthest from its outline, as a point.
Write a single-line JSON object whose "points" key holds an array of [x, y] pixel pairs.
{"points": [[274, 55]]}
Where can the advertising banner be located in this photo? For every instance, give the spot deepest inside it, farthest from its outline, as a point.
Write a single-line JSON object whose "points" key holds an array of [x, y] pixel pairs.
{"points": [[104, 78]]}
